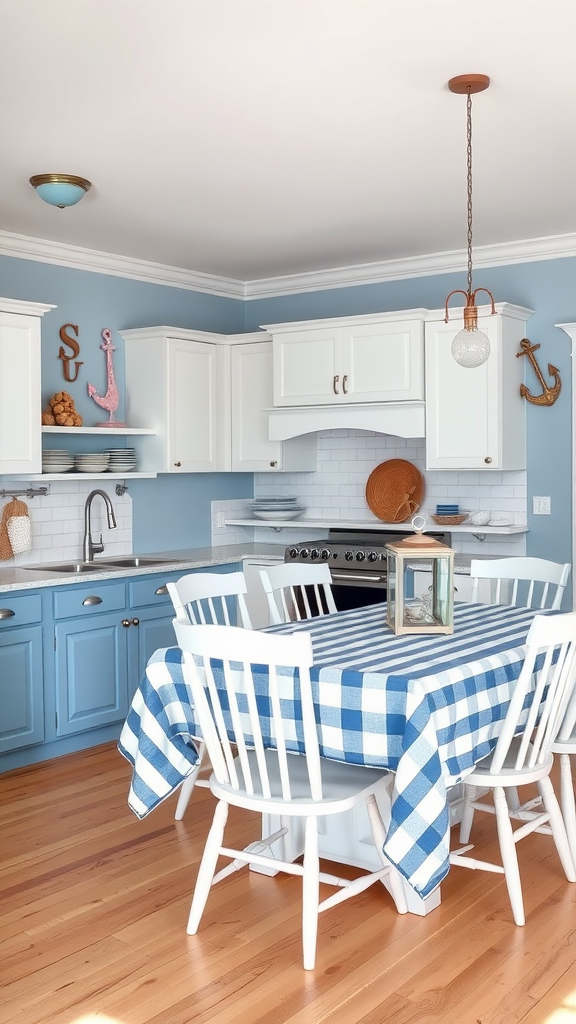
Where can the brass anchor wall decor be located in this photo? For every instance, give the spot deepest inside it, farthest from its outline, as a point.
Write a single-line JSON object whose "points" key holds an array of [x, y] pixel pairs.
{"points": [[549, 395]]}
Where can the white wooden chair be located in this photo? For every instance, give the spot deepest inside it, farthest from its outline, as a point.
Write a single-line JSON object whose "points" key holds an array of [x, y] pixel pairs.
{"points": [[296, 592], [206, 597], [565, 747], [523, 755], [533, 582], [219, 663]]}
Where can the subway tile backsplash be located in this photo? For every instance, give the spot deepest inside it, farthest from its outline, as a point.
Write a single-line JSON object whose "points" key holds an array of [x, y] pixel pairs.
{"points": [[337, 490], [57, 521]]}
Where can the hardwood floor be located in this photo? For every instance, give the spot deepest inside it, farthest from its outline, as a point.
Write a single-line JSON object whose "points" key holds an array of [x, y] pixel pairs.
{"points": [[95, 903]]}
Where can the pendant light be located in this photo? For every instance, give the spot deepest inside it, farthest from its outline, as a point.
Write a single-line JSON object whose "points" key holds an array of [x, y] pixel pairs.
{"points": [[60, 190], [471, 346]]}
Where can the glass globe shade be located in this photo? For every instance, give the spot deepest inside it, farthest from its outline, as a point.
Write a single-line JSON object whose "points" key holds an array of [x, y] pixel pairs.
{"points": [[470, 348]]}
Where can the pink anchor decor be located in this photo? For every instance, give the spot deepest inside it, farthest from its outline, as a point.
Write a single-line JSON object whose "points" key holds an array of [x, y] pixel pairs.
{"points": [[111, 399]]}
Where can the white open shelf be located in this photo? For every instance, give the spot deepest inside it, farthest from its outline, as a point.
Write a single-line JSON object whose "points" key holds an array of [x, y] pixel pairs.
{"points": [[339, 524], [98, 430]]}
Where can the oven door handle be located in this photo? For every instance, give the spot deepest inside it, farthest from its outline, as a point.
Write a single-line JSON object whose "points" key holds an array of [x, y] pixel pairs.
{"points": [[365, 577]]}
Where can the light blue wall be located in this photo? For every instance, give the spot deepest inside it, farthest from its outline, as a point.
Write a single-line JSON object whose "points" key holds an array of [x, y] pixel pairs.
{"points": [[94, 301], [549, 288], [175, 507]]}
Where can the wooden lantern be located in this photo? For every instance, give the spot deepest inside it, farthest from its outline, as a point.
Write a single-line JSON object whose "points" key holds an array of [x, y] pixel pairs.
{"points": [[434, 611]]}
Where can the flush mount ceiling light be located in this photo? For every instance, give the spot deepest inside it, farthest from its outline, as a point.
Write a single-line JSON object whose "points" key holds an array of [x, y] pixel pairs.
{"points": [[60, 190], [471, 346]]}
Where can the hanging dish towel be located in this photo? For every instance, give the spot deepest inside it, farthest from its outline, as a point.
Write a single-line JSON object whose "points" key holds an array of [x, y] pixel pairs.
{"points": [[18, 526]]}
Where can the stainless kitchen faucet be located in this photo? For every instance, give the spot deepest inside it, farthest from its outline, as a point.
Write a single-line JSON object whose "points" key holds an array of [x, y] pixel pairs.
{"points": [[90, 548]]}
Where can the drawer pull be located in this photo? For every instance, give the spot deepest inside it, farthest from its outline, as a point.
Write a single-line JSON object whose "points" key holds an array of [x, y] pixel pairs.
{"points": [[335, 384], [6, 613], [161, 590], [92, 600], [345, 384]]}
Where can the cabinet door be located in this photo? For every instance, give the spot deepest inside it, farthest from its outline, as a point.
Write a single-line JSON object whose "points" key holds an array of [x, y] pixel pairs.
{"points": [[308, 367], [252, 396], [91, 672], [153, 629], [196, 436], [20, 397], [475, 418], [384, 363], [21, 688]]}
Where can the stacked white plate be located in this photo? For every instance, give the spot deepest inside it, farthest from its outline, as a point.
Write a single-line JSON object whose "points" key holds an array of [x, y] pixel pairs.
{"points": [[277, 507], [92, 462], [122, 460], [56, 460]]}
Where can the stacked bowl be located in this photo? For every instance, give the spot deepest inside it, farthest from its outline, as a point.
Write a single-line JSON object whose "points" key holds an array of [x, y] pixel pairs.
{"points": [[56, 460], [277, 507], [121, 460], [91, 462]]}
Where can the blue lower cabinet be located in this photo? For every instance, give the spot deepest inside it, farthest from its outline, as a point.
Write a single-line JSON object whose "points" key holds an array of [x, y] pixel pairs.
{"points": [[21, 687], [91, 673]]}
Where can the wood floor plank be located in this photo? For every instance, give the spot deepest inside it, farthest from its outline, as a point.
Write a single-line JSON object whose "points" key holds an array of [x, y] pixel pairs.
{"points": [[95, 903]]}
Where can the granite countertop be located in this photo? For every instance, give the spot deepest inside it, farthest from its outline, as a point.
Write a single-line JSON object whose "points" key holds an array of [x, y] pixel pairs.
{"points": [[19, 578]]}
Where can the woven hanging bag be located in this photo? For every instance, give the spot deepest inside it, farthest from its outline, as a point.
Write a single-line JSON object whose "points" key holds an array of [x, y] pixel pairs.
{"points": [[5, 545]]}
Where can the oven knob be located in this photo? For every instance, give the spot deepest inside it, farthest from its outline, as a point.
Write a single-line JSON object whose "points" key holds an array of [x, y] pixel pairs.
{"points": [[314, 553], [348, 555], [372, 556], [360, 556], [304, 552], [325, 553], [292, 552]]}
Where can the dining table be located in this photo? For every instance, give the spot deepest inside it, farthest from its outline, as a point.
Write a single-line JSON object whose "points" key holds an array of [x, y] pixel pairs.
{"points": [[426, 707]]}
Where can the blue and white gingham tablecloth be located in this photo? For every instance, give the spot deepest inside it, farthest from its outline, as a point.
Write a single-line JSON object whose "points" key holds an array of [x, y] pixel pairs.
{"points": [[426, 707]]}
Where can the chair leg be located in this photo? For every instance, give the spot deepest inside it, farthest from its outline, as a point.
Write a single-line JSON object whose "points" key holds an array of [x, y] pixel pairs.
{"points": [[568, 802], [509, 855], [557, 826], [467, 813], [207, 866], [187, 786], [310, 894]]}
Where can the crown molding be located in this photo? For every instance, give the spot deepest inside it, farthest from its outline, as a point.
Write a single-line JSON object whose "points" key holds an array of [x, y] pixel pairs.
{"points": [[63, 255], [502, 254]]}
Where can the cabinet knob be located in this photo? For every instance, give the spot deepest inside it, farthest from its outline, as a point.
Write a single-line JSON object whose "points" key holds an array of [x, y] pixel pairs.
{"points": [[177, 463], [6, 613], [488, 460], [135, 622], [126, 623], [161, 590], [335, 384], [92, 600], [273, 464]]}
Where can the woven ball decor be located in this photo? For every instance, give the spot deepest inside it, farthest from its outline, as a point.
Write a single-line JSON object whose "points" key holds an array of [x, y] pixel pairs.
{"points": [[394, 490]]}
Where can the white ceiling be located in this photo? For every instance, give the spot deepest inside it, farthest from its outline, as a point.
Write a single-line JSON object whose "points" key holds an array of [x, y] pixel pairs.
{"points": [[255, 138]]}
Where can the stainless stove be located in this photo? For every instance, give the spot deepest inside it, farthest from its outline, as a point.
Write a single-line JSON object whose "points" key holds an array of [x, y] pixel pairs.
{"points": [[357, 562]]}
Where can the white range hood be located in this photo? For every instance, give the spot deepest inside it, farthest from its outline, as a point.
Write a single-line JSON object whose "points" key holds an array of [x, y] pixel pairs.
{"points": [[403, 419]]}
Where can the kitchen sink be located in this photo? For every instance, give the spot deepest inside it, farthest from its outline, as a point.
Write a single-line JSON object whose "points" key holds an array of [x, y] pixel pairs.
{"points": [[134, 561], [70, 567], [129, 562]]}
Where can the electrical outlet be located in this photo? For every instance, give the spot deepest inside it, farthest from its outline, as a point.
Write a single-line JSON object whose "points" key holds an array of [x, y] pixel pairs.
{"points": [[541, 506]]}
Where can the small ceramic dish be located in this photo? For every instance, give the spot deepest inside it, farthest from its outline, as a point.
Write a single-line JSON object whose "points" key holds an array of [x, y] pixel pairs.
{"points": [[480, 518]]}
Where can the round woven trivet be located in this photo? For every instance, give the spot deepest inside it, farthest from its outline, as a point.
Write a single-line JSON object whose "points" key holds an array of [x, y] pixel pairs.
{"points": [[394, 490]]}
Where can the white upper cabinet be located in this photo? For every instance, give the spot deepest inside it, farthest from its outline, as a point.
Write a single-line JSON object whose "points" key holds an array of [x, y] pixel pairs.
{"points": [[251, 387], [476, 418], [20, 393], [353, 360], [177, 381]]}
